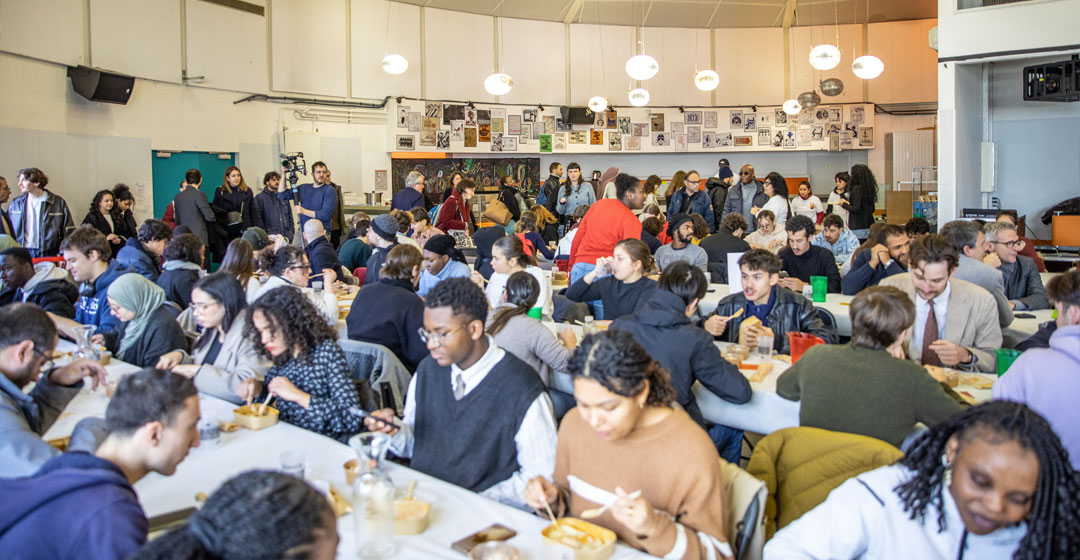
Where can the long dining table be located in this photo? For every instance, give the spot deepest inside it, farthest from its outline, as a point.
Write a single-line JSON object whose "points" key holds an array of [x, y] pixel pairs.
{"points": [[455, 512]]}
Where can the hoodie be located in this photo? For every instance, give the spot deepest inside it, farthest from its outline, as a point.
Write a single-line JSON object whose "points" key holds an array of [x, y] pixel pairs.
{"points": [[135, 255], [1045, 379], [686, 351], [101, 515], [51, 288], [93, 306], [177, 279]]}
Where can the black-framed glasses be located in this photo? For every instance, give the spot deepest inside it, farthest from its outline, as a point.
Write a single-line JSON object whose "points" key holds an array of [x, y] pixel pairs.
{"points": [[1014, 244], [300, 267], [691, 182], [49, 362], [438, 338]]}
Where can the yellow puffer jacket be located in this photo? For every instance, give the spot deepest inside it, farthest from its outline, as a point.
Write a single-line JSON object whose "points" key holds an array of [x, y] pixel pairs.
{"points": [[800, 466]]}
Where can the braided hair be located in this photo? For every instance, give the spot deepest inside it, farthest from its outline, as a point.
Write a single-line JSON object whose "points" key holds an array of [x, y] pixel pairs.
{"points": [[257, 514], [1053, 525], [615, 360]]}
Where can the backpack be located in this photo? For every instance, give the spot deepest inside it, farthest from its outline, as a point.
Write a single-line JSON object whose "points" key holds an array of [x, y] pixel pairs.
{"points": [[541, 198], [433, 214]]}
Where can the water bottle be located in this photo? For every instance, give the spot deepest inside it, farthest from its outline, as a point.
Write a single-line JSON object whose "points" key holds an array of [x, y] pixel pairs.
{"points": [[808, 292], [85, 348], [590, 326], [373, 498]]}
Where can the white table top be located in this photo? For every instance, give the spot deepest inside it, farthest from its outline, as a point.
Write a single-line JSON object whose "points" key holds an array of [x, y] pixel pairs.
{"points": [[456, 512]]}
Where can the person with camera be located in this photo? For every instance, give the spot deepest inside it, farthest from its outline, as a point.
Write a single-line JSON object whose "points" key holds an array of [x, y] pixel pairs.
{"points": [[313, 200]]}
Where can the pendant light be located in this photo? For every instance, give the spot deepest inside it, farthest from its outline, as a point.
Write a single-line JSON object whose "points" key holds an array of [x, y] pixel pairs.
{"points": [[641, 66], [867, 66], [598, 103], [792, 107], [499, 83], [392, 63], [831, 87], [639, 97], [707, 80], [809, 99], [825, 57]]}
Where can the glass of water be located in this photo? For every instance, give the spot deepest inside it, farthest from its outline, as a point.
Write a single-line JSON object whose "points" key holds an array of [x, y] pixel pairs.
{"points": [[292, 462], [764, 346]]}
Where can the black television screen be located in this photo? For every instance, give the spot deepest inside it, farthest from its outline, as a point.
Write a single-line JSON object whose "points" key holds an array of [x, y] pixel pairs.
{"points": [[577, 115]]}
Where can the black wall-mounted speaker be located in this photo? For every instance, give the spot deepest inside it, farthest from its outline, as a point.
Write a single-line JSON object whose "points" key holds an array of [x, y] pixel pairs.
{"points": [[101, 85], [1056, 81]]}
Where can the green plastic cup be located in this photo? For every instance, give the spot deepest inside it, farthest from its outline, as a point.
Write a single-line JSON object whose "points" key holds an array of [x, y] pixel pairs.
{"points": [[536, 313], [820, 285], [1005, 359]]}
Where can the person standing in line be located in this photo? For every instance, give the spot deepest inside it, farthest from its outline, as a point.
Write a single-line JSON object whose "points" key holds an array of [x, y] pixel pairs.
{"points": [[40, 218], [745, 195], [337, 224], [123, 213], [100, 217], [234, 198], [864, 197], [412, 195], [840, 197], [271, 213], [191, 208]]}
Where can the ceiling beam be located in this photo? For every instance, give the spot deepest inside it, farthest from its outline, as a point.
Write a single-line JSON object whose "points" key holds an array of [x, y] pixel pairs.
{"points": [[789, 13], [574, 11]]}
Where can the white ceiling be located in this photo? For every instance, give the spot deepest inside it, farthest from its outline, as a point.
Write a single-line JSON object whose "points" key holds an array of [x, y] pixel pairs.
{"points": [[693, 13]]}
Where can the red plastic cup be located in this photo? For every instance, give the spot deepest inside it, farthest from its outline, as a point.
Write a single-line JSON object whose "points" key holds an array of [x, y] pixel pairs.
{"points": [[800, 342]]}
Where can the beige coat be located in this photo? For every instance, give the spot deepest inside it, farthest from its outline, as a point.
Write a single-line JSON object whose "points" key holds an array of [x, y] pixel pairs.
{"points": [[237, 361], [971, 321]]}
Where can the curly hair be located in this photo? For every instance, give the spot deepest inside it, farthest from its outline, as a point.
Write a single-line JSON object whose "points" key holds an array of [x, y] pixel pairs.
{"points": [[863, 178], [185, 247], [122, 192], [464, 298], [288, 311], [95, 205], [277, 262], [779, 184], [1053, 526], [291, 517], [615, 360], [734, 222], [154, 230]]}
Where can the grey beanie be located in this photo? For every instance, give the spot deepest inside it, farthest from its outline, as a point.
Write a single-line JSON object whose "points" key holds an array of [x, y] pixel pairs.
{"points": [[386, 226]]}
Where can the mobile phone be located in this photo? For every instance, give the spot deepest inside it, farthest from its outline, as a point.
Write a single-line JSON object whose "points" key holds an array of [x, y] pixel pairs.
{"points": [[783, 274], [496, 532]]}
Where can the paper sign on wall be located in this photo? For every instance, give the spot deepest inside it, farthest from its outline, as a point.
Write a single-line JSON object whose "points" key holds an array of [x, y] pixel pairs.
{"points": [[734, 274]]}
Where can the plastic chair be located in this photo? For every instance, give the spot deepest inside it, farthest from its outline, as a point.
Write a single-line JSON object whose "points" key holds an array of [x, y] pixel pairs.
{"points": [[827, 317], [58, 261], [746, 497], [361, 274]]}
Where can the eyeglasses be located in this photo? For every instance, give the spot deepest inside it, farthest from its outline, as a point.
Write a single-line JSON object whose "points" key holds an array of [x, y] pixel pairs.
{"points": [[691, 182], [49, 362], [1014, 244], [744, 173], [202, 307], [300, 267], [438, 338]]}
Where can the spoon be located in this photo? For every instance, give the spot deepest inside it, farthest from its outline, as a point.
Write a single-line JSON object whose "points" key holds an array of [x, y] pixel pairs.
{"points": [[597, 512], [262, 407]]}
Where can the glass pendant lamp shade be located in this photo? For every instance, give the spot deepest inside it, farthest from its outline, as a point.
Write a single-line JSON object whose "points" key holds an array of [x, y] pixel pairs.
{"points": [[598, 103], [867, 67], [394, 64], [792, 107], [498, 84], [639, 97], [642, 67], [824, 57], [707, 80]]}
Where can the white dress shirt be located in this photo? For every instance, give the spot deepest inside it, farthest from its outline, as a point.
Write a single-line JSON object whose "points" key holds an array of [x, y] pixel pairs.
{"points": [[922, 311], [535, 438]]}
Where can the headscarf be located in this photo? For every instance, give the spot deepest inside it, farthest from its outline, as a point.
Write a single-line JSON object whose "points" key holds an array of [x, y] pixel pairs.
{"points": [[139, 295], [543, 216], [444, 245]]}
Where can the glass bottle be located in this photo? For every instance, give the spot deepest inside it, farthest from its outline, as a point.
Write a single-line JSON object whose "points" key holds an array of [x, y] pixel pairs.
{"points": [[85, 349], [373, 498]]}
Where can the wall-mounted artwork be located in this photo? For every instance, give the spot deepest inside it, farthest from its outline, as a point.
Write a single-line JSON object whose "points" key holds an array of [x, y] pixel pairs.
{"points": [[764, 136], [470, 137], [483, 116], [497, 125], [433, 110], [402, 117], [657, 122], [632, 142], [857, 114], [415, 123], [497, 142], [442, 139], [563, 126], [736, 120], [549, 124], [596, 137], [427, 138], [513, 125], [866, 136], [640, 129], [545, 143], [612, 119], [484, 171], [836, 114], [724, 140], [743, 141], [624, 125], [509, 143], [692, 117], [559, 141], [661, 139], [470, 117], [452, 112], [749, 122], [579, 137], [693, 134], [484, 132], [779, 117], [710, 119], [678, 128], [614, 143], [406, 142], [529, 115], [708, 140], [457, 130], [680, 143]]}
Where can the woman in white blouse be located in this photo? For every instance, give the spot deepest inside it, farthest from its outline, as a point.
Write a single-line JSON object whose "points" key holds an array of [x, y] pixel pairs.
{"points": [[509, 256], [776, 190]]}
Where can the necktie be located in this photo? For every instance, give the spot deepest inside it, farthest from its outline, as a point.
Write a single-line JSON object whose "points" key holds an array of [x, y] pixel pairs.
{"points": [[930, 334], [459, 387]]}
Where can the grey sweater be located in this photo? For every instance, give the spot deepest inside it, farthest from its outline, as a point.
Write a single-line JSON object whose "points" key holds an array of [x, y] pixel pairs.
{"points": [[531, 342], [691, 253]]}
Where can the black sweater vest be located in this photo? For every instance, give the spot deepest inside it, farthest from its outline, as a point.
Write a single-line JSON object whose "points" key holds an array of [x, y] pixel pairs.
{"points": [[471, 442]]}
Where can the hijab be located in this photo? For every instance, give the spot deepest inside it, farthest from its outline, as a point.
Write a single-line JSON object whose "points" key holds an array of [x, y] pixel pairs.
{"points": [[139, 295]]}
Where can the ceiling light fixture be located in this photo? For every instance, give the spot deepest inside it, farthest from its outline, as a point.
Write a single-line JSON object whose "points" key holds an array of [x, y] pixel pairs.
{"points": [[824, 57], [498, 84], [867, 66], [639, 97], [392, 63], [642, 67], [809, 99], [598, 103], [831, 87], [792, 107], [707, 80]]}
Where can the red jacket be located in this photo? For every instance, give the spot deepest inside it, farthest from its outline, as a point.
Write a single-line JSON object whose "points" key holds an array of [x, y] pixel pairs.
{"points": [[607, 222], [454, 213], [168, 217]]}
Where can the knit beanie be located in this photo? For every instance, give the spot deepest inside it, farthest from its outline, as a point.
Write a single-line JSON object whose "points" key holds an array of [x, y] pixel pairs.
{"points": [[386, 226]]}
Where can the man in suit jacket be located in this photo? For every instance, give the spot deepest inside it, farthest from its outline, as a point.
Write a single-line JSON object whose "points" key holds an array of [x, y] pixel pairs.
{"points": [[1023, 285], [971, 247], [191, 208], [955, 321]]}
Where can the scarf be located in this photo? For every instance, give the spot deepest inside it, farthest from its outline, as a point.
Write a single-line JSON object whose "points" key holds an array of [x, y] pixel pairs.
{"points": [[807, 197], [140, 296], [182, 265]]}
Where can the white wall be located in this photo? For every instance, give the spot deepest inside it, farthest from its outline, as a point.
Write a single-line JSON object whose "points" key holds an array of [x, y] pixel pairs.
{"points": [[1038, 146], [1009, 27]]}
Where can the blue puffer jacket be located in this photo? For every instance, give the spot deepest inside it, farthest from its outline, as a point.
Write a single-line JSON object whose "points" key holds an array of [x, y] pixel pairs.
{"points": [[699, 203], [94, 310]]}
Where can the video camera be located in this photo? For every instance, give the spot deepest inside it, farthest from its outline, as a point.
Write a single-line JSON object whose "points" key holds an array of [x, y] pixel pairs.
{"points": [[293, 164]]}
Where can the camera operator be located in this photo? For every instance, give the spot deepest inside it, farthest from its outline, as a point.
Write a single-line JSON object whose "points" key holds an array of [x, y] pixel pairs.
{"points": [[316, 200]]}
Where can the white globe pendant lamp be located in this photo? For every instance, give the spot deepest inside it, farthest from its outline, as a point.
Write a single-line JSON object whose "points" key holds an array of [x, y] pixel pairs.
{"points": [[824, 57], [598, 103], [498, 84], [642, 67], [707, 80], [394, 64], [867, 67], [639, 97], [792, 107]]}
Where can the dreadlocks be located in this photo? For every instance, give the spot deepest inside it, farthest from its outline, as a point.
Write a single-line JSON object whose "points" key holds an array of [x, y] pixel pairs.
{"points": [[1053, 525]]}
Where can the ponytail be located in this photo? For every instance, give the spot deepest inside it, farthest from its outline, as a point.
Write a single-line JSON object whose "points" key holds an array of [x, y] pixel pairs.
{"points": [[513, 248], [522, 290]]}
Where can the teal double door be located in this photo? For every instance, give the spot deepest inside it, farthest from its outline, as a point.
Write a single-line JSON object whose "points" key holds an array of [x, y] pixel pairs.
{"points": [[169, 173]]}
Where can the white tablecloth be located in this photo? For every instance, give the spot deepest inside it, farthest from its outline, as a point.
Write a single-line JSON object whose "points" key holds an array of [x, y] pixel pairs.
{"points": [[456, 512], [837, 304], [1021, 328]]}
